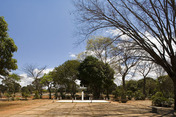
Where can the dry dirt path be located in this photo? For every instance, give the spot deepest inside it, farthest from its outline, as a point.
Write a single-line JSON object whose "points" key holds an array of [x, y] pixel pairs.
{"points": [[50, 109]]}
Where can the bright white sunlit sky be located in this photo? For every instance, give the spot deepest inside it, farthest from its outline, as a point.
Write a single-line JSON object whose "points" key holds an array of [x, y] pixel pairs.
{"points": [[43, 31]]}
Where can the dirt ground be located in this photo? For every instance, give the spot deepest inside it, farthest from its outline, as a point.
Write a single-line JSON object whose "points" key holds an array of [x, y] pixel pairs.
{"points": [[50, 108]]}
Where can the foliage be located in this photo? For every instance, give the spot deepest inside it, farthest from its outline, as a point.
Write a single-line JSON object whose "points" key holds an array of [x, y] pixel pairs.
{"points": [[108, 81], [11, 83], [94, 74], [102, 48], [130, 95], [90, 74], [116, 92], [132, 85], [151, 86], [47, 80], [3, 88], [166, 86], [25, 92], [8, 95], [7, 48], [65, 76], [159, 100], [30, 88], [138, 95], [36, 95]]}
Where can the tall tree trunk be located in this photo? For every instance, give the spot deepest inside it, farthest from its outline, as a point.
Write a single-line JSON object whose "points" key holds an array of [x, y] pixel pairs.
{"points": [[123, 82], [107, 93], [174, 93], [49, 90], [56, 93], [0, 95], [144, 92]]}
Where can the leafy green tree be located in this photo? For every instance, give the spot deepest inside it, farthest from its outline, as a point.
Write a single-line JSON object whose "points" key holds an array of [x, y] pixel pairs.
{"points": [[11, 82], [166, 86], [71, 73], [7, 48], [47, 80], [102, 47], [65, 76], [3, 88], [30, 88], [108, 80], [93, 74], [151, 86], [132, 85], [59, 81], [25, 92]]}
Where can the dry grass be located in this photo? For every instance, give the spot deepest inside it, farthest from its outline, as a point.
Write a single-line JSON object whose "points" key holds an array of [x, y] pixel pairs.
{"points": [[6, 105]]}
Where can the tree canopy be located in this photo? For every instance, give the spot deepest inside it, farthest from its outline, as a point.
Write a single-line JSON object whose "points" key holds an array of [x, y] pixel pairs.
{"points": [[94, 74], [7, 48], [66, 75]]}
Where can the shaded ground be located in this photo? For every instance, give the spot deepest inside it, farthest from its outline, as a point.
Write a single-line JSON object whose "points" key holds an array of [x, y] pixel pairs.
{"points": [[46, 108]]}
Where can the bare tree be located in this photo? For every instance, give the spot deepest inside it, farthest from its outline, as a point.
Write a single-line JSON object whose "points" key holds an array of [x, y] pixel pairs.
{"points": [[124, 61], [159, 70], [34, 72], [144, 68], [151, 24]]}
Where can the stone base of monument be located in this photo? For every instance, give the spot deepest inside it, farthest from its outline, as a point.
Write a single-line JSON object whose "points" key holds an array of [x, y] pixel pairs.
{"points": [[84, 101]]}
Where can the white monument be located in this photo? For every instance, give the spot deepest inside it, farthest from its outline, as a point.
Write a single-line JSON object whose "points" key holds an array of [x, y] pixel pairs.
{"points": [[82, 95], [82, 98], [82, 88]]}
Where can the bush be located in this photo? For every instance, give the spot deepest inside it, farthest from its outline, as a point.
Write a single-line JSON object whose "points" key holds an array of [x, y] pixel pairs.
{"points": [[17, 98], [8, 95], [25, 95], [130, 95], [159, 100], [36, 95], [138, 95], [123, 96]]}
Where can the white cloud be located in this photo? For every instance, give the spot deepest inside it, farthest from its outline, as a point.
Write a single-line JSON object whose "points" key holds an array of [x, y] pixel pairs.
{"points": [[116, 32], [72, 55], [48, 70]]}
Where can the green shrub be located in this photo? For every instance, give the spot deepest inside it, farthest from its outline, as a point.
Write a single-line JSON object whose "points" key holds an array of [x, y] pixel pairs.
{"points": [[130, 95], [123, 96], [36, 95], [8, 95], [25, 95], [159, 100], [17, 98], [138, 95]]}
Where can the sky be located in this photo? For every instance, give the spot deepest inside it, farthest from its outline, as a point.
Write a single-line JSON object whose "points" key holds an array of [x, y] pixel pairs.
{"points": [[43, 31]]}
